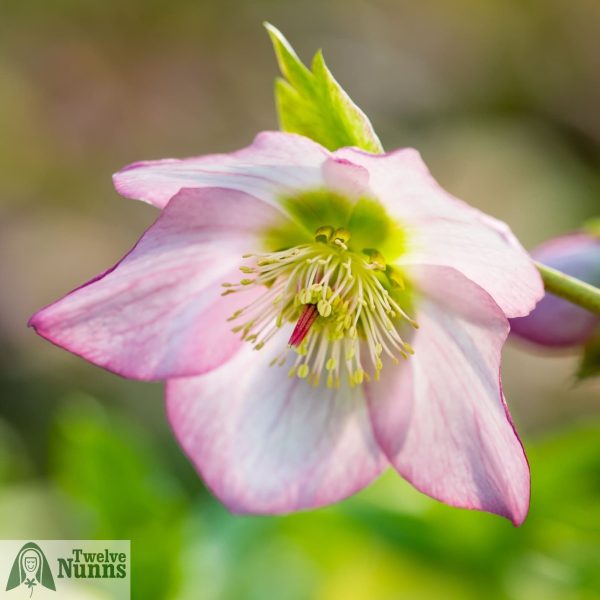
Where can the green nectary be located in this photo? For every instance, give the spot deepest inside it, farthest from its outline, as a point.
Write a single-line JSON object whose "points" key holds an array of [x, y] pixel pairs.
{"points": [[365, 218]]}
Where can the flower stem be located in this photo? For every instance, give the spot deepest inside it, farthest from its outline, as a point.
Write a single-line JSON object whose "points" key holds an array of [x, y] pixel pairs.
{"points": [[574, 290]]}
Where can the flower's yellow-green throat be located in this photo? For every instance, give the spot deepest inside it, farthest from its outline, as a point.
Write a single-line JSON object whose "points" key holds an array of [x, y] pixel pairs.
{"points": [[348, 304]]}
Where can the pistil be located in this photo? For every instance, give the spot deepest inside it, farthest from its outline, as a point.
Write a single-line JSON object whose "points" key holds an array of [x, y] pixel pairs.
{"points": [[307, 318]]}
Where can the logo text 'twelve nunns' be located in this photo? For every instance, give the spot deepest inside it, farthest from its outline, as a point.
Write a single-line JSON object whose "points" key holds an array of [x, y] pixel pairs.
{"points": [[30, 569]]}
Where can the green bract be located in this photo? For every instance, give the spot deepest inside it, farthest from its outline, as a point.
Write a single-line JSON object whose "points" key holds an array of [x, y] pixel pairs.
{"points": [[313, 104]]}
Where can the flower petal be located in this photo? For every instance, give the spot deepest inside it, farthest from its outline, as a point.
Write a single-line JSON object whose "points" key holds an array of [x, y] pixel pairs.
{"points": [[345, 178], [159, 312], [267, 443], [442, 419], [445, 231], [275, 162]]}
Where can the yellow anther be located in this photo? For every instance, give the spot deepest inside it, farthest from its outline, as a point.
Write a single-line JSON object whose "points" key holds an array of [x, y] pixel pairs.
{"points": [[245, 269], [378, 349], [303, 371], [324, 308], [342, 235], [331, 364], [375, 258], [305, 296], [292, 372], [324, 233], [247, 281], [302, 349]]}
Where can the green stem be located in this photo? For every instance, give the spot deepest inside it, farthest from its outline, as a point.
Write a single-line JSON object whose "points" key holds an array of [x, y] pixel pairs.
{"points": [[574, 290]]}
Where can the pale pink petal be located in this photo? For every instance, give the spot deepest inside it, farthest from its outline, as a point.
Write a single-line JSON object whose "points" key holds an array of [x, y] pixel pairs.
{"points": [[443, 230], [276, 163], [480, 253], [441, 417], [267, 443], [159, 312], [346, 178]]}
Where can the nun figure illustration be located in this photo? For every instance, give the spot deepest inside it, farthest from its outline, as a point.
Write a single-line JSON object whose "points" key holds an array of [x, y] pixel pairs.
{"points": [[30, 570]]}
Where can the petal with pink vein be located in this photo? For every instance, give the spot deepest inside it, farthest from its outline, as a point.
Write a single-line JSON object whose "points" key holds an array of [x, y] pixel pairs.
{"points": [[159, 312], [267, 443], [274, 164], [442, 419]]}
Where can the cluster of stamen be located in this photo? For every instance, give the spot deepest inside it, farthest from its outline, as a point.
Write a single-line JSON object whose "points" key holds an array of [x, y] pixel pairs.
{"points": [[346, 319]]}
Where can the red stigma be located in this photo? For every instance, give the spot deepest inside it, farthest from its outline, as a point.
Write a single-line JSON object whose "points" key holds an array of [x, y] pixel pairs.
{"points": [[307, 317]]}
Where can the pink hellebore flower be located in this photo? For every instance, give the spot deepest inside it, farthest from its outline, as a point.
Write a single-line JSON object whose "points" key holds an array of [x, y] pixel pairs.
{"points": [[378, 304]]}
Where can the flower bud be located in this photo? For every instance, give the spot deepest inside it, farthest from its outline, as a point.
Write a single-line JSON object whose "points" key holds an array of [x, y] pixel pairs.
{"points": [[556, 322]]}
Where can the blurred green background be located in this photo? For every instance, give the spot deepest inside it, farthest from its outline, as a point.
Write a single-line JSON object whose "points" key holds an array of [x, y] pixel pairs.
{"points": [[501, 97]]}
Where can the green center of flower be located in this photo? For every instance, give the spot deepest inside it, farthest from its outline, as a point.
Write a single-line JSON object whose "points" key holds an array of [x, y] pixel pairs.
{"points": [[346, 304]]}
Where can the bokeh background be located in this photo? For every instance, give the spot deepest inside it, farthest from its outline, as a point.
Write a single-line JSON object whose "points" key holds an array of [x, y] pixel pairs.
{"points": [[502, 99]]}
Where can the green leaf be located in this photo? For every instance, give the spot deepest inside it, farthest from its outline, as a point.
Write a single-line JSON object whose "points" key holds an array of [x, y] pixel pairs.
{"points": [[312, 103], [119, 488], [589, 366]]}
